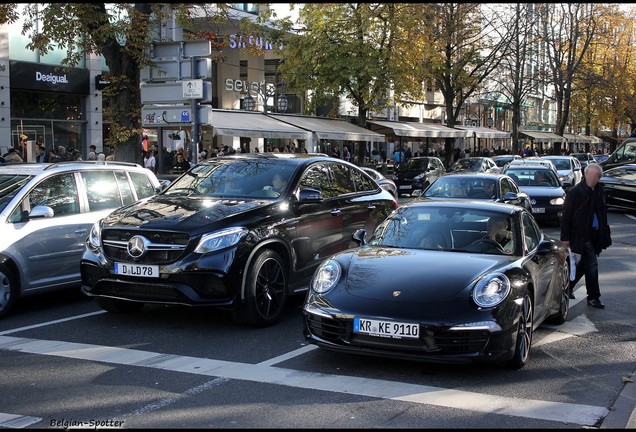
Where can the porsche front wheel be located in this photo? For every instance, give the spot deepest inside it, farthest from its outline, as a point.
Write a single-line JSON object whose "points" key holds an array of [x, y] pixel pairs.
{"points": [[524, 334]]}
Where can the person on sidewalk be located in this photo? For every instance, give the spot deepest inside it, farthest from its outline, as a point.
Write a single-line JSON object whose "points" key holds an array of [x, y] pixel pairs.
{"points": [[585, 230]]}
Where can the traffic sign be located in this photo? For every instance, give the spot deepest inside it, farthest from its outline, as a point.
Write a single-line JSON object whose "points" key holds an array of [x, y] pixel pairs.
{"points": [[173, 115], [174, 92], [172, 70], [192, 89], [183, 49]]}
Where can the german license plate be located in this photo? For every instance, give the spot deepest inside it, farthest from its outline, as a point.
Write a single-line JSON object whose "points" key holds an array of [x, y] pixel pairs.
{"points": [[538, 209], [391, 329], [137, 270], [406, 187]]}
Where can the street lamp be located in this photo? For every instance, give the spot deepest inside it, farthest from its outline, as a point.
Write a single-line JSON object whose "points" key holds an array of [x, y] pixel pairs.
{"points": [[266, 92]]}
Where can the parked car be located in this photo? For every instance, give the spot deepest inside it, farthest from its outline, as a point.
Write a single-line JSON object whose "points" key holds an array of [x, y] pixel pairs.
{"points": [[385, 183], [584, 158], [502, 160], [417, 173], [46, 212], [237, 232], [624, 154], [620, 187], [568, 168], [544, 189], [474, 164], [477, 186], [472, 301]]}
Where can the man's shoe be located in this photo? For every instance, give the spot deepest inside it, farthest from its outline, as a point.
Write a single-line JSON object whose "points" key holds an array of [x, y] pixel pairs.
{"points": [[596, 303], [571, 296]]}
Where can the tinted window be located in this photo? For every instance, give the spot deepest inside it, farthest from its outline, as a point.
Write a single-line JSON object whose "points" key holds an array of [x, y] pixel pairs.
{"points": [[532, 231], [363, 183], [58, 192], [142, 185], [317, 177], [414, 164], [343, 182], [101, 190]]}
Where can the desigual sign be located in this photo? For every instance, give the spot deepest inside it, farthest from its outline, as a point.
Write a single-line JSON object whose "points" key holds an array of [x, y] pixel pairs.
{"points": [[41, 77], [53, 79]]}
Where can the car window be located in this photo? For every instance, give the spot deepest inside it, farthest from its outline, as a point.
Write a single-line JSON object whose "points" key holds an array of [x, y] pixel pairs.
{"points": [[142, 185], [10, 185], [531, 230], [621, 173], [317, 177], [58, 192], [508, 186], [101, 190], [362, 183], [343, 182], [124, 187]]}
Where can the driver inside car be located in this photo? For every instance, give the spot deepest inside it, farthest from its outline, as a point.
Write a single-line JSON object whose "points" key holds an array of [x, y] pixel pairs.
{"points": [[498, 231]]}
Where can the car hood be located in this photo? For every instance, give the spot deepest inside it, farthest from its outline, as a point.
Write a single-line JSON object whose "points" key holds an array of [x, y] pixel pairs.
{"points": [[543, 191], [181, 213], [421, 276]]}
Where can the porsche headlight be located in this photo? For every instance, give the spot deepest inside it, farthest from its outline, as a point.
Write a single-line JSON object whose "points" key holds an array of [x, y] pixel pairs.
{"points": [[95, 236], [491, 290], [326, 276], [220, 239], [557, 201]]}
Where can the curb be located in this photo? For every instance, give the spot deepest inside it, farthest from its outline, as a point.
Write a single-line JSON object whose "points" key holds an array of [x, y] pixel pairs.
{"points": [[622, 414]]}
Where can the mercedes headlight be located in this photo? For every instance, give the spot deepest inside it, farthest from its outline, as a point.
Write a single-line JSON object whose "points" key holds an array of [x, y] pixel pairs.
{"points": [[326, 276], [557, 201], [220, 239], [95, 236], [491, 290]]}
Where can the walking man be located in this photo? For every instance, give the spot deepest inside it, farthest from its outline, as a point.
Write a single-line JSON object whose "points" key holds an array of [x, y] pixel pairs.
{"points": [[585, 230]]}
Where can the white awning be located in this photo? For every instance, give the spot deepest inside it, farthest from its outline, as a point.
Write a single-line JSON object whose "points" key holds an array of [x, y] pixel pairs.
{"points": [[577, 138], [253, 125], [594, 139], [541, 136], [418, 130], [482, 132], [329, 129]]}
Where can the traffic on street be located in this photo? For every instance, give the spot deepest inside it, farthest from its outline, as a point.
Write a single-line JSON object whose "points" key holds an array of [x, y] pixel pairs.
{"points": [[68, 363]]}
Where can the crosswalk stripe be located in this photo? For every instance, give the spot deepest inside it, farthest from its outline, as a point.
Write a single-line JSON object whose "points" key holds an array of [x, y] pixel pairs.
{"points": [[381, 389], [16, 421]]}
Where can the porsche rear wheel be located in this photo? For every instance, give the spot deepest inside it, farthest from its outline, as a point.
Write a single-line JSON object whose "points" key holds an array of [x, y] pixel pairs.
{"points": [[564, 302], [265, 291], [524, 334]]}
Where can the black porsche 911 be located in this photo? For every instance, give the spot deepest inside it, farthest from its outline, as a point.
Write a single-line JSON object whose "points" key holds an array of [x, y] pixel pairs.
{"points": [[441, 281]]}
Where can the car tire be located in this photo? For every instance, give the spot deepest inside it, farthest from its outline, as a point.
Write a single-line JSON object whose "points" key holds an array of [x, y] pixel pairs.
{"points": [[524, 334], [9, 291], [265, 291], [564, 303], [118, 306]]}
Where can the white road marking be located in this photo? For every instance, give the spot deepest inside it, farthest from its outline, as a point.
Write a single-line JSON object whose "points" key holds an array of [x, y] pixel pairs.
{"points": [[16, 421], [44, 324], [578, 326], [381, 389]]}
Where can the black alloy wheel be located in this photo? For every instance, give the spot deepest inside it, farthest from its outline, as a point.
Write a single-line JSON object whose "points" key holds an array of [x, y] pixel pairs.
{"points": [[265, 291], [8, 291], [524, 334], [564, 302]]}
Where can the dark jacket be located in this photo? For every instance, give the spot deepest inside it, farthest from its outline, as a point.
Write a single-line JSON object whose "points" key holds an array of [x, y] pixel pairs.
{"points": [[578, 213]]}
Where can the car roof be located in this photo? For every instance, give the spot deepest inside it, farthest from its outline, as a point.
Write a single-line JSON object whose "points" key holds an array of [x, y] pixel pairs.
{"points": [[476, 175], [33, 168], [631, 166], [530, 166], [293, 158], [463, 203]]}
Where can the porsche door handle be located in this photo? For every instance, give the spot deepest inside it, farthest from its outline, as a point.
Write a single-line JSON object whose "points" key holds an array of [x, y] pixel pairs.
{"points": [[371, 207], [335, 212]]}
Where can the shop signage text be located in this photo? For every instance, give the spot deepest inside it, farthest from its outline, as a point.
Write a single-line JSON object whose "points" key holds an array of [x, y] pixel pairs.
{"points": [[240, 41], [239, 86], [53, 79]]}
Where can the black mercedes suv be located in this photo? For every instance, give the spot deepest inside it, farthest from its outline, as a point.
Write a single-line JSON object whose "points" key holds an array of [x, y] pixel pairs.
{"points": [[241, 232]]}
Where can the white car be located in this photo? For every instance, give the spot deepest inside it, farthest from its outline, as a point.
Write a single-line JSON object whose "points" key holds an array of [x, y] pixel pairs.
{"points": [[569, 169], [46, 213]]}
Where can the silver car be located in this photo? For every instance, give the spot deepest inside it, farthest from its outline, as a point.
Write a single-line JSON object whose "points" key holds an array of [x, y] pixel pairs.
{"points": [[569, 169], [46, 212]]}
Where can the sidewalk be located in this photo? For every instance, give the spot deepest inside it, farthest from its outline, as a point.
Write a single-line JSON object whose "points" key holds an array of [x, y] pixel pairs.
{"points": [[623, 413]]}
